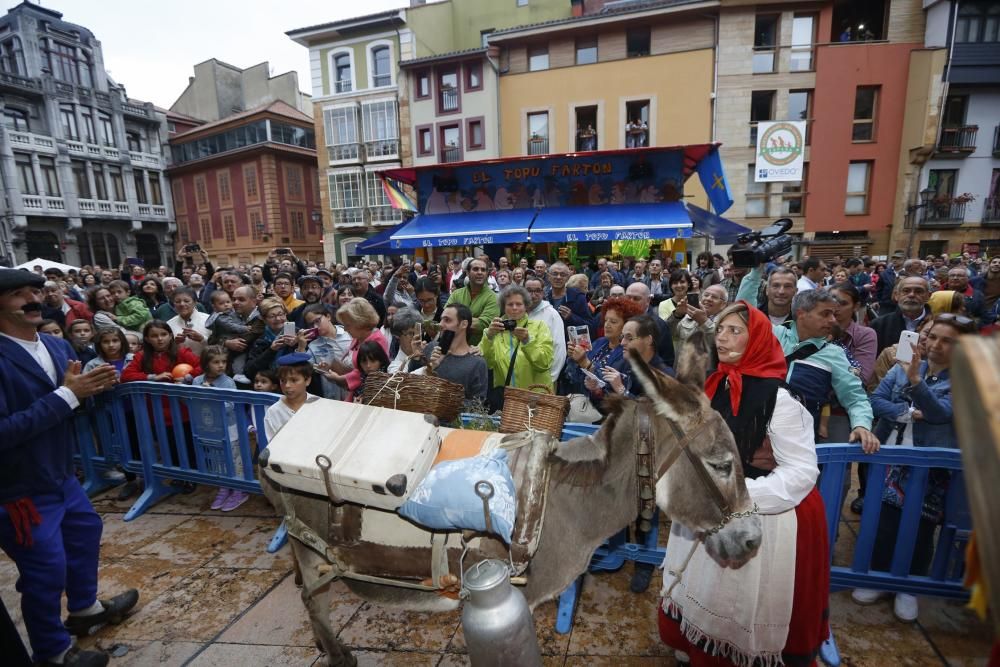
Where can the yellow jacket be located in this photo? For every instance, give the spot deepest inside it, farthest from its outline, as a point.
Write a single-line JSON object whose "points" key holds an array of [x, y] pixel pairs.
{"points": [[533, 361]]}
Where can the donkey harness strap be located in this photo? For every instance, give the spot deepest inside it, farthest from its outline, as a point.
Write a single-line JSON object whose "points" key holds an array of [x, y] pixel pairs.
{"points": [[699, 467]]}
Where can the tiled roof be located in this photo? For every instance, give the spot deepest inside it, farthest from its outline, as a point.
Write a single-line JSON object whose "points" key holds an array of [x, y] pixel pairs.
{"points": [[629, 8], [442, 56], [277, 107]]}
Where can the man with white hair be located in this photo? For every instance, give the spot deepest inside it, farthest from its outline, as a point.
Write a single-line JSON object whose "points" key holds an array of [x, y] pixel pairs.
{"points": [[57, 306], [541, 310]]}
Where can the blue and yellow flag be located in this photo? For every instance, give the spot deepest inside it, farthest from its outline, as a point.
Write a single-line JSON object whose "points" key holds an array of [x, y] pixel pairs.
{"points": [[713, 179]]}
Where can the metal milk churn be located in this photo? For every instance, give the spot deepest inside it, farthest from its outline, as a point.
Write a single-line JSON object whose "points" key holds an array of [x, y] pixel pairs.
{"points": [[499, 629]]}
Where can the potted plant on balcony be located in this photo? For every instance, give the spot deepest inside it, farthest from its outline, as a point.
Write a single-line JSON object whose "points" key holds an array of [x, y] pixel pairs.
{"points": [[942, 204]]}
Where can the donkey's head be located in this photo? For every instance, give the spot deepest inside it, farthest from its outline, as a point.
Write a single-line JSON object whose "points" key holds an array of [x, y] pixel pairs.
{"points": [[683, 492]]}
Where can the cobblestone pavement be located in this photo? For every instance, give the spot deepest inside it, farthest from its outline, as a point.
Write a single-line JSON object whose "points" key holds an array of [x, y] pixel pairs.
{"points": [[212, 595]]}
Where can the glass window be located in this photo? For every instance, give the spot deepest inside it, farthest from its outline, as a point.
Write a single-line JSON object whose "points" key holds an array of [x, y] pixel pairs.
{"points": [[425, 141], [342, 73], [765, 43], [448, 84], [978, 22], [250, 182], [25, 174], [476, 138], [292, 135], [107, 129], [761, 108], [229, 227], [140, 186], [100, 187], [858, 180], [346, 203], [423, 84], [522, 3], [381, 72], [538, 58], [156, 195], [637, 42], [12, 56], [133, 140], [538, 133], [49, 177], [793, 195], [16, 119], [473, 75], [89, 131], [756, 197], [117, 184], [376, 193], [293, 181], [298, 220], [67, 118], [341, 129], [62, 62], [379, 121], [942, 181], [451, 139], [803, 35], [80, 179], [954, 110], [865, 105], [225, 191], [800, 107], [586, 50]]}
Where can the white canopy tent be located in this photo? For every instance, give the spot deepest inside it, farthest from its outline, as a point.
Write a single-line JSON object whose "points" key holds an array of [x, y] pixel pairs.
{"points": [[46, 264]]}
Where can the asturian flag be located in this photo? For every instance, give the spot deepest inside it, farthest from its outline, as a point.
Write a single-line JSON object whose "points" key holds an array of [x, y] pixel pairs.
{"points": [[713, 179]]}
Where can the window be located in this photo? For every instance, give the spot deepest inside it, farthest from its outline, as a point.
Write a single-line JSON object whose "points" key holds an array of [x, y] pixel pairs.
{"points": [[229, 228], [100, 185], [522, 3], [177, 192], [346, 204], [474, 76], [256, 224], [586, 135], [62, 62], [98, 248], [756, 198], [205, 227], [379, 207], [250, 183], [637, 124], [50, 179], [637, 42], [978, 22], [451, 143], [89, 131], [293, 182], [133, 140], [25, 174], [475, 139], [341, 129], [858, 182], [803, 36], [765, 43], [865, 105], [107, 129], [200, 192], [761, 108], [448, 86], [140, 186], [117, 184], [942, 182], [298, 225], [381, 129], [422, 84], [342, 78], [12, 57], [955, 107], [67, 118], [586, 50], [155, 194], [225, 190], [538, 58], [80, 179], [858, 20], [538, 133], [800, 107], [381, 72], [238, 137], [793, 195], [425, 141], [16, 119]]}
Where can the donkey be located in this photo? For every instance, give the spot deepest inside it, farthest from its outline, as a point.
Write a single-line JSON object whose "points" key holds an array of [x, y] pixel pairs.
{"points": [[590, 494]]}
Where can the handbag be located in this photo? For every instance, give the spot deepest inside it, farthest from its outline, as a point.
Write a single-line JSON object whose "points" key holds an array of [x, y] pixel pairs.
{"points": [[581, 410]]}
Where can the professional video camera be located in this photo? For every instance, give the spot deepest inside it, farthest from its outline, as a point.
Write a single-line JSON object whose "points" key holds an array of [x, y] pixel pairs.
{"points": [[762, 246]]}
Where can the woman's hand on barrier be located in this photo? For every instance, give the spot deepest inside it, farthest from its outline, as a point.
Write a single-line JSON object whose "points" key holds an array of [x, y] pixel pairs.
{"points": [[869, 443]]}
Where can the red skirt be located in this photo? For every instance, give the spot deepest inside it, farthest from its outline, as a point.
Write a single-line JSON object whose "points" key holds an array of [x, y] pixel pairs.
{"points": [[810, 622]]}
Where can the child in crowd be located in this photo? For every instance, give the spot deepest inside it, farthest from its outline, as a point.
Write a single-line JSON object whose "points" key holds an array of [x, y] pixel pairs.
{"points": [[294, 375], [213, 362], [224, 323], [266, 380], [371, 359], [50, 327], [81, 332], [130, 311], [112, 348], [134, 341]]}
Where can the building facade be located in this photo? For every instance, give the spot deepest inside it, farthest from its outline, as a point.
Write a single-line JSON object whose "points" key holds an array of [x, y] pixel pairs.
{"points": [[82, 165], [248, 183]]}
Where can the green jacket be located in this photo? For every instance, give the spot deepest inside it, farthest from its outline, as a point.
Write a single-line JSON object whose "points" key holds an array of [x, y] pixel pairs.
{"points": [[534, 358], [484, 308], [132, 313]]}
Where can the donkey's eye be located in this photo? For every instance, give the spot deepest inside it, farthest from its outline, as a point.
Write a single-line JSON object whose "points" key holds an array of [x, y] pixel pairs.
{"points": [[722, 468]]}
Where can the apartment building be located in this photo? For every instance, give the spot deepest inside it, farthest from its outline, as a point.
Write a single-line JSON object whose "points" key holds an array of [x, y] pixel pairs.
{"points": [[81, 163]]}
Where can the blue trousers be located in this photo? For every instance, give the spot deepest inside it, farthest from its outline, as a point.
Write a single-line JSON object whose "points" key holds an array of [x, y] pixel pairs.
{"points": [[63, 558]]}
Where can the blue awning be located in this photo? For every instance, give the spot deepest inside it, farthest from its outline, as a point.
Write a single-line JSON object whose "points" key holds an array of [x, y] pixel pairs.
{"points": [[708, 224], [619, 222], [379, 243], [444, 230]]}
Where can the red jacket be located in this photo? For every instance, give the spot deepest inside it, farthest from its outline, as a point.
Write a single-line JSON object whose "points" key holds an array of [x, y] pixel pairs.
{"points": [[77, 310], [161, 364]]}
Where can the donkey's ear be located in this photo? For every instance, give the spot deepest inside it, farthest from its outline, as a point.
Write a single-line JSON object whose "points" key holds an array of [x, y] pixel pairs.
{"points": [[671, 399], [692, 361]]}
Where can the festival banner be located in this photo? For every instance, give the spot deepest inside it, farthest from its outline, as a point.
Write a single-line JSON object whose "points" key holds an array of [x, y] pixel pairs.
{"points": [[780, 151]]}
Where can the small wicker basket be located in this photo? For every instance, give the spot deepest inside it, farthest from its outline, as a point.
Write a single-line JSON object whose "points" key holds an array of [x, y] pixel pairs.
{"points": [[547, 412], [425, 394]]}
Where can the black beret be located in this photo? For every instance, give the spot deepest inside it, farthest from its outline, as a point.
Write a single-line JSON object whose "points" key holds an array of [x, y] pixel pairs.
{"points": [[12, 279]]}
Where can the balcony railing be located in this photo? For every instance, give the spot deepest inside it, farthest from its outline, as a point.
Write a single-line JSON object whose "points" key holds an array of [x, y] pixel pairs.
{"points": [[449, 99], [343, 152], [150, 159], [382, 149], [22, 82], [996, 141], [32, 142], [944, 214], [43, 203], [452, 154], [136, 110], [957, 141], [991, 210], [384, 215], [152, 211], [92, 150], [538, 146], [764, 59], [343, 86]]}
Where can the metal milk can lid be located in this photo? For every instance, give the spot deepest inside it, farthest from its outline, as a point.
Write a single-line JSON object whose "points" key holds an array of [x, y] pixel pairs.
{"points": [[486, 575]]}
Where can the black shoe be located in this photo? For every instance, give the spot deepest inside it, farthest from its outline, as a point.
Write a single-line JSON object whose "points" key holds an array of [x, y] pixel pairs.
{"points": [[114, 613], [641, 577], [76, 657], [858, 504], [128, 490]]}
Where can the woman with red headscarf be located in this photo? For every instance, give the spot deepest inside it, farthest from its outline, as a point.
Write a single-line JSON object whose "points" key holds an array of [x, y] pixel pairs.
{"points": [[756, 614]]}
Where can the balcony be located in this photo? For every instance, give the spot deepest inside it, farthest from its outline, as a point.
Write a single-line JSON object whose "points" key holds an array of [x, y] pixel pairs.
{"points": [[22, 83], [103, 207], [348, 217], [152, 211], [31, 142], [957, 141], [136, 110], [382, 149], [384, 215], [943, 215], [449, 99], [451, 154], [148, 159], [92, 150], [991, 211], [343, 152], [43, 204], [342, 86], [538, 146]]}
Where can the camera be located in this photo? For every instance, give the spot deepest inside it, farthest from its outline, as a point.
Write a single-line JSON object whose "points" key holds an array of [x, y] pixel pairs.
{"points": [[192, 247], [510, 325], [282, 251], [762, 246]]}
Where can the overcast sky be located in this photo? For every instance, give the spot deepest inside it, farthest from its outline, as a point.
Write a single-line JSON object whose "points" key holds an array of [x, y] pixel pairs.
{"points": [[152, 47]]}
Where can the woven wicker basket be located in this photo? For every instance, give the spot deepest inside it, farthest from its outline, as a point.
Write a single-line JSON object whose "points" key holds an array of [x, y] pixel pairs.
{"points": [[548, 412], [425, 394]]}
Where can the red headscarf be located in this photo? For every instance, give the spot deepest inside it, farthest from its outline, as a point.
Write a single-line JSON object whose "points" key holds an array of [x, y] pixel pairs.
{"points": [[763, 358]]}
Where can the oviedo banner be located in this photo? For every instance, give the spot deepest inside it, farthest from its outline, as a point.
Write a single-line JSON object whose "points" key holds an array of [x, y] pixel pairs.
{"points": [[780, 151]]}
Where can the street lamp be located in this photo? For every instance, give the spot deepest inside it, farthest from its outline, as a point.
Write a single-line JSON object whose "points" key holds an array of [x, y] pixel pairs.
{"points": [[926, 195]]}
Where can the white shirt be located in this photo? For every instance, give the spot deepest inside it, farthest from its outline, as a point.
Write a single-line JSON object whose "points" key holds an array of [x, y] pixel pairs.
{"points": [[197, 322], [794, 447], [41, 354], [804, 284], [278, 414], [545, 313]]}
